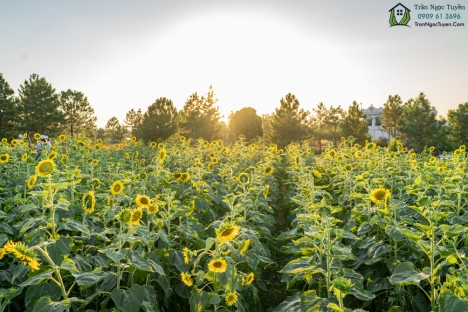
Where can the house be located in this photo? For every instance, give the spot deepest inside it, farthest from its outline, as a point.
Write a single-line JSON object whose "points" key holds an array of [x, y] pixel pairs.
{"points": [[374, 123], [399, 15]]}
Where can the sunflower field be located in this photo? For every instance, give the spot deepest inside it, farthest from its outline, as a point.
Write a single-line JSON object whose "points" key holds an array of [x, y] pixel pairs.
{"points": [[201, 226]]}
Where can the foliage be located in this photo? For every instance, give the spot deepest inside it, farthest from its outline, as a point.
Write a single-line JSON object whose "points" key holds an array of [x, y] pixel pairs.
{"points": [[114, 130], [459, 124], [392, 110], [418, 125], [246, 122], [159, 121], [78, 113], [200, 117], [39, 107], [133, 120], [354, 124], [288, 122], [8, 114]]}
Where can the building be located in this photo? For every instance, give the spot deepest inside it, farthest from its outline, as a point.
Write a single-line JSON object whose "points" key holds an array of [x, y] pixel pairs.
{"points": [[374, 123]]}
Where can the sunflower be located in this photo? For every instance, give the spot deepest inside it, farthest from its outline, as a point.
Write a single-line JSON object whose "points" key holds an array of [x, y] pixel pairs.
{"points": [[136, 216], [248, 279], [127, 156], [462, 147], [186, 253], [186, 279], [4, 158], [267, 189], [89, 202], [231, 298], [31, 181], [214, 160], [227, 232], [24, 157], [185, 176], [22, 253], [135, 155], [4, 140], [117, 187], [431, 149], [143, 201], [217, 265], [245, 246], [404, 149], [62, 137], [358, 154], [96, 182], [370, 146], [153, 144], [64, 158], [177, 175], [45, 167], [378, 196], [348, 167], [97, 147], [125, 215], [212, 155], [37, 136], [162, 154], [99, 141], [457, 152], [2, 253], [133, 138], [332, 153], [244, 178], [316, 174], [14, 142], [52, 155], [269, 170], [211, 166], [182, 138], [309, 150]]}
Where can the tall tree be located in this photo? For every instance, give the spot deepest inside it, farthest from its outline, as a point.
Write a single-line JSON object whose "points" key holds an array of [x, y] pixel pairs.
{"points": [[459, 120], [200, 117], [78, 113], [289, 123], [333, 119], [159, 122], [114, 130], [418, 124], [246, 122], [132, 120], [355, 124], [8, 104], [391, 112], [39, 107], [318, 123]]}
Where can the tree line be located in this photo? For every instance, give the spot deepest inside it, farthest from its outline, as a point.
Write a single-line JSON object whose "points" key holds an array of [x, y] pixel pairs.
{"points": [[39, 108]]}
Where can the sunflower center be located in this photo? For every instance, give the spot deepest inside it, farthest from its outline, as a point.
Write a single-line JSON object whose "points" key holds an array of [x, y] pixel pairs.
{"points": [[380, 195], [3, 157], [217, 264], [117, 188], [144, 201], [136, 216], [45, 167], [227, 232]]}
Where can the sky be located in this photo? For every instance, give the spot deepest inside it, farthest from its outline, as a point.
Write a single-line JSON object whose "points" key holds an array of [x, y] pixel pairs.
{"points": [[126, 54]]}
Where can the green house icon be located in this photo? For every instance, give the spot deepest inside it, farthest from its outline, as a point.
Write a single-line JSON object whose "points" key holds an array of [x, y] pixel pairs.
{"points": [[399, 15]]}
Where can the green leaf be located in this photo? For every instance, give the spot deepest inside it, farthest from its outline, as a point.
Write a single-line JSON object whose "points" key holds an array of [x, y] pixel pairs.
{"points": [[49, 289], [69, 265], [128, 300], [198, 300], [396, 309], [215, 299], [292, 304], [59, 250], [37, 279], [405, 274], [72, 225], [89, 278], [209, 243], [45, 304], [297, 266], [139, 263], [448, 302], [116, 256], [20, 271], [311, 303]]}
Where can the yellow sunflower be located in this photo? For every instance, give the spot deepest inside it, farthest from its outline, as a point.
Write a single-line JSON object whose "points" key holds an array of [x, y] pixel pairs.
{"points": [[186, 253], [52, 155], [143, 201], [231, 298], [2, 253], [316, 174], [97, 147], [136, 216], [177, 175], [248, 279], [269, 170], [37, 136], [99, 141], [358, 154], [162, 154], [161, 145], [244, 178], [457, 152], [4, 158], [89, 202], [182, 138], [245, 246], [117, 187], [185, 176], [127, 156], [227, 232], [22, 253], [212, 155], [64, 158], [431, 149], [186, 279], [62, 137], [31, 181], [267, 189], [24, 157], [4, 140], [217, 265], [462, 147], [380, 195], [133, 138], [211, 166], [154, 208], [153, 144], [14, 142], [45, 167]]}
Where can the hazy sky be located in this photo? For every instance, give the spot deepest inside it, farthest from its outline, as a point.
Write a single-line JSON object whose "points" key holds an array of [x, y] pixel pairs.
{"points": [[126, 54]]}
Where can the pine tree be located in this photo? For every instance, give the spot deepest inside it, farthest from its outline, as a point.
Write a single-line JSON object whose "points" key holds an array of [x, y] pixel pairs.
{"points": [[318, 123], [8, 106], [459, 124], [200, 117], [78, 113], [246, 122], [133, 120], [159, 122], [114, 130], [355, 124], [39, 107], [391, 112], [333, 119], [288, 123], [418, 125]]}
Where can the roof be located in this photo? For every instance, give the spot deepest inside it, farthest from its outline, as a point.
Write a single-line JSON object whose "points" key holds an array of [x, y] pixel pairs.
{"points": [[398, 5]]}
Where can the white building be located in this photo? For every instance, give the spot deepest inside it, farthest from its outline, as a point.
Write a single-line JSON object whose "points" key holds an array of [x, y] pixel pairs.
{"points": [[374, 123]]}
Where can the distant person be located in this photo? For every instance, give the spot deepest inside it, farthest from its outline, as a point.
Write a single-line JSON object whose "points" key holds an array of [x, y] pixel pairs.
{"points": [[42, 145]]}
